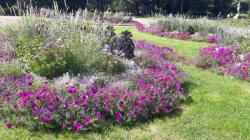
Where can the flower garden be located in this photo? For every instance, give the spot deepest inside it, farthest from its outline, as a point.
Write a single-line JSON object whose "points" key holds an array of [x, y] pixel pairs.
{"points": [[66, 74]]}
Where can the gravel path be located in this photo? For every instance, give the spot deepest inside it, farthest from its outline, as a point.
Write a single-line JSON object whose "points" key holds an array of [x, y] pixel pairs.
{"points": [[9, 19], [146, 21]]}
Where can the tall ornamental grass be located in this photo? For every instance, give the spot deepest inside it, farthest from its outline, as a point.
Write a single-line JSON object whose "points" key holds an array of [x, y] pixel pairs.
{"points": [[52, 47]]}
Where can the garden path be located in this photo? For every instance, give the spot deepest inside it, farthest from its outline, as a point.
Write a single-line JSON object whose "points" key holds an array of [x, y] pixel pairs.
{"points": [[9, 19], [146, 21]]}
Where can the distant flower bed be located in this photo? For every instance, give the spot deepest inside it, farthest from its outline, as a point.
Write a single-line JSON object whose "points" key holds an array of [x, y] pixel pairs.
{"points": [[159, 32], [119, 21], [117, 18], [34, 101], [226, 60]]}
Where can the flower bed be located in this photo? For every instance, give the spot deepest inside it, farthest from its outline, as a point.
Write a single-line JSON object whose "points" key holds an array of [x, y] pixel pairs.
{"points": [[241, 69], [225, 60], [159, 32], [80, 105]]}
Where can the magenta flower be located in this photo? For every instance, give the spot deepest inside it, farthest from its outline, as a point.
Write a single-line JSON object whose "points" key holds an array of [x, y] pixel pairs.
{"points": [[72, 90], [16, 106], [79, 126], [88, 120], [118, 116], [64, 126], [166, 110], [98, 115], [9, 125], [107, 108], [212, 39]]}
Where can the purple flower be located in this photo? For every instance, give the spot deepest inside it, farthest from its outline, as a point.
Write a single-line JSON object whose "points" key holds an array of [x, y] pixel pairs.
{"points": [[107, 108], [64, 126], [79, 126], [98, 115], [118, 116], [29, 76], [166, 110], [122, 104], [24, 103], [88, 120], [212, 39], [16, 106], [9, 125], [72, 90], [30, 84], [46, 118]]}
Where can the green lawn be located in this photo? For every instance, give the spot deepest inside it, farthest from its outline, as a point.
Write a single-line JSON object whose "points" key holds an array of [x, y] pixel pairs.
{"points": [[220, 108]]}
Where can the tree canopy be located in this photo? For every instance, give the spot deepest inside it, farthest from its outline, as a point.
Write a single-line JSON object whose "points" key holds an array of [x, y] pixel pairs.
{"points": [[143, 7]]}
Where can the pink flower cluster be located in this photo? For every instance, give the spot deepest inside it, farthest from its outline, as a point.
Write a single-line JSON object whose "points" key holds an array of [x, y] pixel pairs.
{"points": [[159, 32], [212, 39], [241, 69], [226, 59], [153, 53], [215, 56], [115, 21], [179, 35], [84, 105]]}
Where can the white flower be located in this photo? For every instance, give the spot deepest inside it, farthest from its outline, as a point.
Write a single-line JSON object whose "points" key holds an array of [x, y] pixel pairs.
{"points": [[241, 57]]}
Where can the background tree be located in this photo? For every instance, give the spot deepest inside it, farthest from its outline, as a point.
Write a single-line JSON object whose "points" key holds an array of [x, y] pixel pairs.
{"points": [[143, 7]]}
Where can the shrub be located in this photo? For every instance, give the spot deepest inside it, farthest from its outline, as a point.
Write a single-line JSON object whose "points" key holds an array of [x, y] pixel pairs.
{"points": [[122, 45]]}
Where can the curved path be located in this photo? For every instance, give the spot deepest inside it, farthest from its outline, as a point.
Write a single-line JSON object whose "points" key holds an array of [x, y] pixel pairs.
{"points": [[9, 19]]}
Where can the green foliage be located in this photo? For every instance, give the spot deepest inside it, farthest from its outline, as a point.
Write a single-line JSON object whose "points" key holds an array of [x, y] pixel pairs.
{"points": [[52, 48], [51, 63], [13, 68]]}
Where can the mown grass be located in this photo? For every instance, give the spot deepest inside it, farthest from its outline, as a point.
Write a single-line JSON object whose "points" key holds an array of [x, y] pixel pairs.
{"points": [[218, 108]]}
